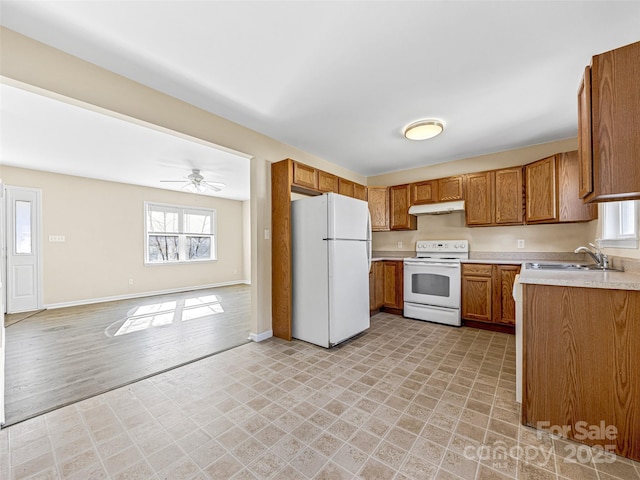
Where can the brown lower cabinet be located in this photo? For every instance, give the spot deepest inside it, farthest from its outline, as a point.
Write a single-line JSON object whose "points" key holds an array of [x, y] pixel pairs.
{"points": [[376, 286], [487, 294], [386, 286], [581, 365]]}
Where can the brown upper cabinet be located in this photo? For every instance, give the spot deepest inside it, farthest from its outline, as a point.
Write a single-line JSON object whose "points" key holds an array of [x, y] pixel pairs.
{"points": [[311, 181], [542, 191], [609, 126], [378, 198], [345, 187], [305, 176], [480, 205], [327, 182], [509, 197], [424, 192], [438, 190], [399, 203], [552, 191], [450, 188], [359, 191], [494, 197]]}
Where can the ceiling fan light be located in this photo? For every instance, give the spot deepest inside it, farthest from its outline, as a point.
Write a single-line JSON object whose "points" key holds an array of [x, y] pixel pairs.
{"points": [[423, 129]]}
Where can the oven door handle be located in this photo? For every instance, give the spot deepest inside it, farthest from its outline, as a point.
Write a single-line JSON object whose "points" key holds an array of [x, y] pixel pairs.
{"points": [[423, 264]]}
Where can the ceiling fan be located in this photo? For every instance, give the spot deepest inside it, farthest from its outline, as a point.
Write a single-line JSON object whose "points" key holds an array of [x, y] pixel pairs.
{"points": [[194, 182]]}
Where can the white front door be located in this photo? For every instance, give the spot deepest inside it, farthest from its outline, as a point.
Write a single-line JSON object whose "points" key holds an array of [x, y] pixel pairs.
{"points": [[22, 207], [2, 294]]}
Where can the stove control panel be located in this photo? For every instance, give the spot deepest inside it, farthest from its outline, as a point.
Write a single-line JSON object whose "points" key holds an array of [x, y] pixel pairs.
{"points": [[442, 246]]}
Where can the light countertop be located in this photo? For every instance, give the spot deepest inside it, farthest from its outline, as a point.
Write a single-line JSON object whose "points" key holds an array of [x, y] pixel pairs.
{"points": [[585, 279], [628, 280]]}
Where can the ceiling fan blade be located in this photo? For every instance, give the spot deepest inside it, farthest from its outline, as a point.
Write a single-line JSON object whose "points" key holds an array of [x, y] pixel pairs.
{"points": [[215, 186], [172, 181]]}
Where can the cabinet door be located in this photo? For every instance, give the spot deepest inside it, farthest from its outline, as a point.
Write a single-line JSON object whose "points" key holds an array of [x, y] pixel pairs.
{"points": [[479, 195], [393, 284], [378, 199], [541, 191], [571, 208], [509, 199], [345, 187], [424, 192], [450, 189], [305, 176], [477, 298], [360, 191], [615, 103], [372, 289], [327, 182], [584, 135], [580, 362], [399, 203], [378, 268], [504, 307]]}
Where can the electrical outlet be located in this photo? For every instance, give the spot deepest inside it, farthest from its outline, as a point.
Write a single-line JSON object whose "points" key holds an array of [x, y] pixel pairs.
{"points": [[399, 244], [266, 234], [520, 243]]}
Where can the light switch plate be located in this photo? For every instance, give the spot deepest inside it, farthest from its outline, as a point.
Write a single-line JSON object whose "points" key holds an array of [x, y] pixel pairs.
{"points": [[57, 238]]}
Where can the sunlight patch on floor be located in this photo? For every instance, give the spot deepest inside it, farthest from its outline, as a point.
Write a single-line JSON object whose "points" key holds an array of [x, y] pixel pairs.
{"points": [[165, 313]]}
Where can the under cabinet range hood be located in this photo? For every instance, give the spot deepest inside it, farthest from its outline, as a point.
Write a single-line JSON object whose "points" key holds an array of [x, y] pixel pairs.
{"points": [[437, 208]]}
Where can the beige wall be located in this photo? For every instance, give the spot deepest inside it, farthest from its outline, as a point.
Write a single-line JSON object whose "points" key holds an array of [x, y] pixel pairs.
{"points": [[492, 161], [246, 241], [538, 238], [103, 225]]}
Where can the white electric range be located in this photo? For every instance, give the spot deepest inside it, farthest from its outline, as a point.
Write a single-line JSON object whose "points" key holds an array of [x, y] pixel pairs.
{"points": [[432, 281]]}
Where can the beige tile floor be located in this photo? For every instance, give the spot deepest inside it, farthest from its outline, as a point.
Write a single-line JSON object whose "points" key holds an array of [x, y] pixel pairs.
{"points": [[406, 400]]}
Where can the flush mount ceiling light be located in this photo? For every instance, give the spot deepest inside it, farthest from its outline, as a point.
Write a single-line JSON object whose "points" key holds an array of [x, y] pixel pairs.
{"points": [[423, 129]]}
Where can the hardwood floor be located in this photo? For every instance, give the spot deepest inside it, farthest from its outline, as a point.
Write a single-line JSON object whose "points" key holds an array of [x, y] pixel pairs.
{"points": [[60, 356], [11, 318]]}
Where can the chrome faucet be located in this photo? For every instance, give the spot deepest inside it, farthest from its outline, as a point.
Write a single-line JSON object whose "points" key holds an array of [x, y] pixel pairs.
{"points": [[600, 258]]}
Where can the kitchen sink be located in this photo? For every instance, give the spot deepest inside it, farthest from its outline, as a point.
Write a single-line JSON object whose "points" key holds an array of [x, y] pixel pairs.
{"points": [[591, 267]]}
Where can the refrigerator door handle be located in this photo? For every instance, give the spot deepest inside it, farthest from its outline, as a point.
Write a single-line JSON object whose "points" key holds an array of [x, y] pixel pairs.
{"points": [[369, 239]]}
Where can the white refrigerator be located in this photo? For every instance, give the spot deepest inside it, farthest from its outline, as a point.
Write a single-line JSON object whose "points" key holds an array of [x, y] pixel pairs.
{"points": [[331, 258]]}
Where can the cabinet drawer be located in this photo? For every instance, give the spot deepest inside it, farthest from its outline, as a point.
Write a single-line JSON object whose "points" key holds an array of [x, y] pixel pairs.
{"points": [[478, 269]]}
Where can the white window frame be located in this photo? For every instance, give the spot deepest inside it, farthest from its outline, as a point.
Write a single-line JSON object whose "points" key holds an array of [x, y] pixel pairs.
{"points": [[612, 219], [181, 234]]}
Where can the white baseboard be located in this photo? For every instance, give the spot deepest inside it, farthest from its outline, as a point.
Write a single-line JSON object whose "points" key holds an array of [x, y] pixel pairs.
{"points": [[75, 303], [259, 337]]}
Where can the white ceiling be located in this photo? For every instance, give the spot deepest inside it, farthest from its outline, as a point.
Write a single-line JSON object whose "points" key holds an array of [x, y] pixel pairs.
{"points": [[43, 133], [340, 79]]}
